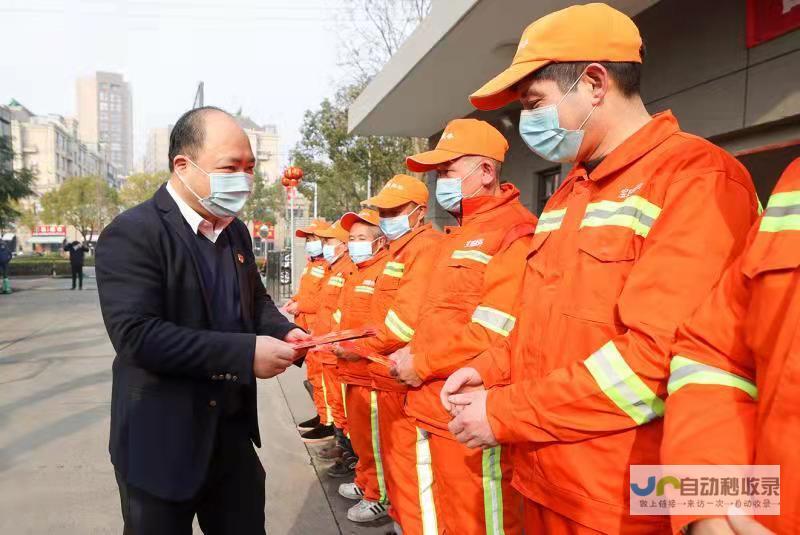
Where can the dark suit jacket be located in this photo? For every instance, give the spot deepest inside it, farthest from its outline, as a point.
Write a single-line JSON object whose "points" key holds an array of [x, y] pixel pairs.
{"points": [[76, 254], [170, 369]]}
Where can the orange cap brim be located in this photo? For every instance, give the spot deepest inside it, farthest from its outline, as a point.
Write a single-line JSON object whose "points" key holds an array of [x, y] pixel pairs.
{"points": [[499, 91], [385, 200], [351, 217], [427, 161]]}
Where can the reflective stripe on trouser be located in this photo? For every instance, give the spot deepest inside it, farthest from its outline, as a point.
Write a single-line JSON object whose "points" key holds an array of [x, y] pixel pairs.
{"points": [[314, 374], [782, 213], [362, 419], [430, 522], [333, 392], [473, 489], [685, 371], [622, 386], [398, 439]]}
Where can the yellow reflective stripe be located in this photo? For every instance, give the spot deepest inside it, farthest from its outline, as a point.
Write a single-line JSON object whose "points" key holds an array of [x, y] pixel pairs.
{"points": [[336, 281], [430, 524], [394, 269], [636, 213], [550, 220], [494, 320], [782, 213], [317, 272], [328, 411], [493, 491], [305, 270], [376, 444], [337, 316], [344, 404], [621, 384], [477, 256], [685, 371], [365, 289], [398, 328]]}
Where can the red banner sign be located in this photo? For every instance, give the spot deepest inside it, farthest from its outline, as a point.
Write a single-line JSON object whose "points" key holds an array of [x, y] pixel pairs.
{"points": [[50, 230], [767, 19]]}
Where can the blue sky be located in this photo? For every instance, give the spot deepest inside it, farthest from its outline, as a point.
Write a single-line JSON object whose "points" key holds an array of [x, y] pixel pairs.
{"points": [[272, 58]]}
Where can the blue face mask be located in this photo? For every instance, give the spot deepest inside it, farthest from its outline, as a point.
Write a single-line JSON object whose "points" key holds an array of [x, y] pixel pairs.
{"points": [[329, 253], [540, 130], [313, 248], [360, 251], [394, 227], [228, 192], [449, 193]]}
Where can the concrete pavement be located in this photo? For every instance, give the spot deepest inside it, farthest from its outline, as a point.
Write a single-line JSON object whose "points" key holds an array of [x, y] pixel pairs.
{"points": [[55, 387]]}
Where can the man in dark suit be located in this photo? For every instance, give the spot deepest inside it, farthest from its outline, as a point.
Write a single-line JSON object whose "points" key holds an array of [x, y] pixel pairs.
{"points": [[77, 251], [193, 328]]}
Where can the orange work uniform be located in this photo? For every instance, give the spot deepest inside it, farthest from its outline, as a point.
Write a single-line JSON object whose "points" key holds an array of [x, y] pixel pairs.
{"points": [[470, 305], [307, 292], [738, 358], [621, 255], [328, 396], [361, 400], [399, 292]]}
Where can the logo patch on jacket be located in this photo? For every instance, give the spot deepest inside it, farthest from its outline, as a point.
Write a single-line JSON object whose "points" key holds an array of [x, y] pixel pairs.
{"points": [[368, 283], [624, 193], [474, 243]]}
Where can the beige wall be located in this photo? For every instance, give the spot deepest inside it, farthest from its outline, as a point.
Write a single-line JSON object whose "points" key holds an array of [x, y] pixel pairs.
{"points": [[106, 114], [156, 157], [265, 146]]}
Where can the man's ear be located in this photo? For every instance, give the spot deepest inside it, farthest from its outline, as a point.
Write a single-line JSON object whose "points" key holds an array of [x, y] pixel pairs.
{"points": [[180, 163], [597, 75]]}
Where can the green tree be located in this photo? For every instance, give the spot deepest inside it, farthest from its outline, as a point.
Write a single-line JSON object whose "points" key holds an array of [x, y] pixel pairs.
{"points": [[140, 187], [265, 203], [88, 203], [342, 163], [14, 185]]}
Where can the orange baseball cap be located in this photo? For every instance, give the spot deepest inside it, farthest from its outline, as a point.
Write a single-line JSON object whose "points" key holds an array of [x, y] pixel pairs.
{"points": [[591, 32], [462, 137], [335, 231], [365, 215], [311, 230], [400, 190]]}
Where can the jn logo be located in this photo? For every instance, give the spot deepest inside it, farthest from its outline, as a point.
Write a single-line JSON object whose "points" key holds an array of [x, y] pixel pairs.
{"points": [[658, 487]]}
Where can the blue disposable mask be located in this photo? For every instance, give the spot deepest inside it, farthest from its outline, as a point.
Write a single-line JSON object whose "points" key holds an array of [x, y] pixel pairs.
{"points": [[394, 227], [329, 253], [540, 130], [449, 193], [360, 251], [314, 248], [228, 192]]}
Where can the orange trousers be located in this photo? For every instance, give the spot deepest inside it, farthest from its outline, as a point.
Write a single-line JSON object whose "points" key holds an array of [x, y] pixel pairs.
{"points": [[401, 443], [362, 422], [314, 376], [472, 489], [333, 390], [540, 519]]}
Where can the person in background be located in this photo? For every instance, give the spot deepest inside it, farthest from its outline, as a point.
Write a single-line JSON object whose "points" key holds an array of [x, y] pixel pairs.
{"points": [[5, 259], [77, 252]]}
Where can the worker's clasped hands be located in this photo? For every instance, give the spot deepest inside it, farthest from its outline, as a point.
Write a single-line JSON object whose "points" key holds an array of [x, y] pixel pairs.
{"points": [[464, 397]]}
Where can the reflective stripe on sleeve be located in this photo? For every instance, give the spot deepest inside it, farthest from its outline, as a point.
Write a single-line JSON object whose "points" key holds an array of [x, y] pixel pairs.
{"points": [[394, 269], [398, 328], [782, 213], [494, 320], [619, 382], [685, 371], [425, 481], [477, 256], [376, 444], [493, 491], [365, 289], [636, 213], [550, 220]]}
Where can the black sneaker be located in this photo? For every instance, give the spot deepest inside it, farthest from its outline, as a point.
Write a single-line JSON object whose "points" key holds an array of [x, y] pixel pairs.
{"points": [[320, 433], [344, 467], [308, 425]]}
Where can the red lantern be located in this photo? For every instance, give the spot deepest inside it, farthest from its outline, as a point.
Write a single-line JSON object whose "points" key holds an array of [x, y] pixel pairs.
{"points": [[285, 181]]}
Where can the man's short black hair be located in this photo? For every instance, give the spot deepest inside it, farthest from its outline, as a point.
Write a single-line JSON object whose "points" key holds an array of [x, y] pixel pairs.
{"points": [[188, 134], [627, 75]]}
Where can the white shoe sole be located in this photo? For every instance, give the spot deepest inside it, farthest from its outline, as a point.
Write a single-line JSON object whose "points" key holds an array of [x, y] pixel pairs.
{"points": [[351, 496], [317, 440], [365, 520]]}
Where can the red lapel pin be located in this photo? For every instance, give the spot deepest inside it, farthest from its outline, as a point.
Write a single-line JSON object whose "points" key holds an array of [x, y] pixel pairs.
{"points": [[240, 256]]}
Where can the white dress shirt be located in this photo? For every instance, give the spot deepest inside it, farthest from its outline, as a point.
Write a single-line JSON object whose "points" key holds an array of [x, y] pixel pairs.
{"points": [[196, 221]]}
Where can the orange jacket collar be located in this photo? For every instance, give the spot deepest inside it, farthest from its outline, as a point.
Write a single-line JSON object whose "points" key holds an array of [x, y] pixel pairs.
{"points": [[647, 138], [374, 258], [399, 243], [471, 208]]}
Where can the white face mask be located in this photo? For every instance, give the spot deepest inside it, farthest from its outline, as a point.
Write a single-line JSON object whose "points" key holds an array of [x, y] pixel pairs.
{"points": [[314, 248], [449, 194], [329, 253], [228, 192], [361, 251]]}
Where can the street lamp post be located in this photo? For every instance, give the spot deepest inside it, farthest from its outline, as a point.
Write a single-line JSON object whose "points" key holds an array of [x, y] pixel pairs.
{"points": [[291, 178]]}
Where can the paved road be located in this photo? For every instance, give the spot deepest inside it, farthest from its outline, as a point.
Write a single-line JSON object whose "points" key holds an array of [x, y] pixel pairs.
{"points": [[55, 387]]}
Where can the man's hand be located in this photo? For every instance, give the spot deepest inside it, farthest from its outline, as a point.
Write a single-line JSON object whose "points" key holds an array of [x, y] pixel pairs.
{"points": [[272, 357], [403, 367], [297, 335], [734, 524], [463, 380], [344, 354], [291, 307], [471, 426]]}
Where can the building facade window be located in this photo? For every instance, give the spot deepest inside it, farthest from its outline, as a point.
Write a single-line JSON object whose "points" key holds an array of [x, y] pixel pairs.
{"points": [[549, 181]]}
